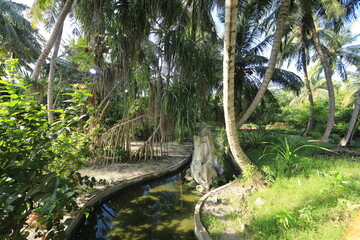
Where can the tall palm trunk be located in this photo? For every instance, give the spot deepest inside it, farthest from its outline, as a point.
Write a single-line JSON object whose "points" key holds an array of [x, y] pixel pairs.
{"points": [[50, 96], [228, 71], [283, 13], [310, 124], [327, 70], [352, 123], [51, 42]]}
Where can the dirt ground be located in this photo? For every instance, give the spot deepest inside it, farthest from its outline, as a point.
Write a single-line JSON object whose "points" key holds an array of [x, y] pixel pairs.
{"points": [[221, 204], [120, 172]]}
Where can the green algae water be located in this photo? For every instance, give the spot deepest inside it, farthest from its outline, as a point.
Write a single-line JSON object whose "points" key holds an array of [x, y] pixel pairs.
{"points": [[161, 209]]}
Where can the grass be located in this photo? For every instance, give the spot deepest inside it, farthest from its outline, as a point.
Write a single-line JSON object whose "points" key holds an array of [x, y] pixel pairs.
{"points": [[318, 204], [213, 223]]}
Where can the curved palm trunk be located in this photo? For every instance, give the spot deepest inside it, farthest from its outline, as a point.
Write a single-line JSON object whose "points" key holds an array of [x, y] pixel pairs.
{"points": [[283, 13], [229, 110], [51, 42], [352, 123], [327, 70], [310, 124], [50, 96]]}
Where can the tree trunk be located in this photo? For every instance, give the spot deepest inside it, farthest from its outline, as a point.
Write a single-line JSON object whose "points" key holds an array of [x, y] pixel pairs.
{"points": [[50, 95], [229, 110], [50, 43], [327, 70], [283, 13], [310, 124], [352, 123]]}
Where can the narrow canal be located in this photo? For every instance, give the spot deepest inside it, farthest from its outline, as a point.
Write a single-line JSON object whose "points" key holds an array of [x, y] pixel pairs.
{"points": [[161, 209]]}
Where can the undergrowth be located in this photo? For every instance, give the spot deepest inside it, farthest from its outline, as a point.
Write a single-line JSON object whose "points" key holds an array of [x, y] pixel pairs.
{"points": [[313, 194]]}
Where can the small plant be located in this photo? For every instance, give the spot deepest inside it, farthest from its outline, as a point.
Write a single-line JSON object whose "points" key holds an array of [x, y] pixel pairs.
{"points": [[269, 174], [253, 139], [341, 182], [285, 219], [306, 213], [248, 171], [287, 160]]}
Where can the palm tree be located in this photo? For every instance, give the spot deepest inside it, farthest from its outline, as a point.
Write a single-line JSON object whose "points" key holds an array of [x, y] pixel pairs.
{"points": [[297, 33], [338, 47], [46, 12], [250, 66], [228, 94], [354, 90], [328, 76], [18, 39], [52, 40], [341, 50], [335, 13], [351, 128], [281, 20]]}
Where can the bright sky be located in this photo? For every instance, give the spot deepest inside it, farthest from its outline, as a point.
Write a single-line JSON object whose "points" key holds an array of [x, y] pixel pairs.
{"points": [[45, 34]]}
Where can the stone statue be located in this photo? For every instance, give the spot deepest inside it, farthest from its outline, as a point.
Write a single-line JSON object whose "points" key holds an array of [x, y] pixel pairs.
{"points": [[203, 160]]}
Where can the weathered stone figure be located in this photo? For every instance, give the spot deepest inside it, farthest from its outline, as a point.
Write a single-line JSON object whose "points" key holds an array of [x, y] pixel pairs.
{"points": [[202, 165]]}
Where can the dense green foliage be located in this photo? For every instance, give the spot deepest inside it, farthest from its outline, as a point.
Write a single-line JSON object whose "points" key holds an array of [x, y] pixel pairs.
{"points": [[153, 69], [39, 161]]}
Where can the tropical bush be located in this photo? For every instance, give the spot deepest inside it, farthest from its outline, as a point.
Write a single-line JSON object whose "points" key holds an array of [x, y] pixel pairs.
{"points": [[285, 153], [38, 181]]}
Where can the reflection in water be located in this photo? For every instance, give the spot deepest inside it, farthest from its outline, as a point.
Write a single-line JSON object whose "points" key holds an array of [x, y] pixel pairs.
{"points": [[154, 210]]}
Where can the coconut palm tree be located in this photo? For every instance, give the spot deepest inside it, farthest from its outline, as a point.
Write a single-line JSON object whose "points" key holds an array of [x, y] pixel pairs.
{"points": [[334, 13], [18, 39], [250, 65], [231, 7], [354, 90], [298, 34], [342, 51], [351, 128], [281, 20], [52, 40], [46, 13]]}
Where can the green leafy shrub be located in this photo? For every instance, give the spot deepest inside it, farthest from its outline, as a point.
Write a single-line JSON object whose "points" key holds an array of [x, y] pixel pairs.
{"points": [[38, 182], [142, 133], [285, 153], [254, 139], [315, 134]]}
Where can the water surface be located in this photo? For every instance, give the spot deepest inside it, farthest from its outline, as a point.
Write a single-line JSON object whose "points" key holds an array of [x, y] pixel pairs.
{"points": [[161, 209]]}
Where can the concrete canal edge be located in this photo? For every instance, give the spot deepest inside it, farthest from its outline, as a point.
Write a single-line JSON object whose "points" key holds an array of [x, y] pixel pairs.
{"points": [[109, 192], [200, 230]]}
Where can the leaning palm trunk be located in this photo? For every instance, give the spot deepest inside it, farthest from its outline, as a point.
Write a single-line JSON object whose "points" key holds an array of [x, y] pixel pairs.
{"points": [[352, 123], [229, 109], [51, 42], [50, 96], [283, 13], [327, 70], [310, 124]]}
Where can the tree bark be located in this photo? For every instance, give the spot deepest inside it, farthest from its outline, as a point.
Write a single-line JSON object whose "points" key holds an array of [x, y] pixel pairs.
{"points": [[351, 127], [327, 70], [51, 42], [283, 13], [310, 124], [50, 95], [229, 109]]}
